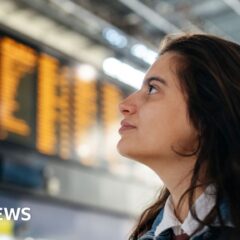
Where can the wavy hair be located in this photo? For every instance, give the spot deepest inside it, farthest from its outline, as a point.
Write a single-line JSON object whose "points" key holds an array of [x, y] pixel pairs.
{"points": [[208, 68]]}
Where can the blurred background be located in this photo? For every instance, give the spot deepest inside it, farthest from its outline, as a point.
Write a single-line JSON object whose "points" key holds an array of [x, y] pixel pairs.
{"points": [[64, 67]]}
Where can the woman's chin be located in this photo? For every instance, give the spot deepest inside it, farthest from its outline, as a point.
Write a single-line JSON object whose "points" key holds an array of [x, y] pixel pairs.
{"points": [[128, 152], [120, 147], [124, 149]]}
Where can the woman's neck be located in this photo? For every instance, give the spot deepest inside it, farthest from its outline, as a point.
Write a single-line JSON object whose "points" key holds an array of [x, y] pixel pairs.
{"points": [[176, 176], [181, 210]]}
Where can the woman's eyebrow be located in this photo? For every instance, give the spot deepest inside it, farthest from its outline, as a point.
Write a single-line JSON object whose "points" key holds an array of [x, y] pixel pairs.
{"points": [[156, 78]]}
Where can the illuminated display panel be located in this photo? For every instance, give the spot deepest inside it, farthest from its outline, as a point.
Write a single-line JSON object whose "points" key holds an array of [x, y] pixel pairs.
{"points": [[65, 113], [46, 105], [85, 121], [111, 95], [18, 63]]}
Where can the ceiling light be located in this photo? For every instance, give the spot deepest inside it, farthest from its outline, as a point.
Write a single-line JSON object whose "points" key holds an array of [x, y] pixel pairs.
{"points": [[144, 53], [123, 72], [115, 38], [86, 72]]}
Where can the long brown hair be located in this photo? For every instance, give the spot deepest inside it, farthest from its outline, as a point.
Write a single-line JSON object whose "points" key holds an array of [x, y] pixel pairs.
{"points": [[209, 75]]}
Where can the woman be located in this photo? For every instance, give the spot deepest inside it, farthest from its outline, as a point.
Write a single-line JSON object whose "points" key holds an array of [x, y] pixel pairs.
{"points": [[184, 123]]}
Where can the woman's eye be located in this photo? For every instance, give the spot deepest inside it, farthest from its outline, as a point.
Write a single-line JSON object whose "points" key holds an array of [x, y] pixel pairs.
{"points": [[151, 89]]}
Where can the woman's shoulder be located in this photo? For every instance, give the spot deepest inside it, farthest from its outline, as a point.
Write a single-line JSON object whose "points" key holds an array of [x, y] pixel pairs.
{"points": [[219, 233]]}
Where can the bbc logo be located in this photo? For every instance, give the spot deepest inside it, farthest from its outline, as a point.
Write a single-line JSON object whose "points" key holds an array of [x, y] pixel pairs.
{"points": [[15, 214]]}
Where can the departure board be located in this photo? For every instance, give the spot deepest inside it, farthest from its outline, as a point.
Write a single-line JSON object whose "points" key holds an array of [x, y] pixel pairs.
{"points": [[111, 96], [17, 80], [47, 102], [45, 105]]}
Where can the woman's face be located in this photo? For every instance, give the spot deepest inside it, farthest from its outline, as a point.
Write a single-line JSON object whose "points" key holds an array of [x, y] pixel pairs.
{"points": [[159, 113]]}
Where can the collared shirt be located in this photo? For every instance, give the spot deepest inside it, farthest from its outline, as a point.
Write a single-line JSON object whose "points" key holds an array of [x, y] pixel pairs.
{"points": [[203, 205]]}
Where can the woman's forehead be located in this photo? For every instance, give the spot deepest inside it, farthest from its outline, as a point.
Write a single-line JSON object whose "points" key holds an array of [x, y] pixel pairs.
{"points": [[165, 67]]}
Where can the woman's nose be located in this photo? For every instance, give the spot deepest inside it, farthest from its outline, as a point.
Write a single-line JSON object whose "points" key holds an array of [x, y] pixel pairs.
{"points": [[127, 107]]}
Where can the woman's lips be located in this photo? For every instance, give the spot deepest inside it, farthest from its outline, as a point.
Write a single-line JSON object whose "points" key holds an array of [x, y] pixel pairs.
{"points": [[125, 126]]}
